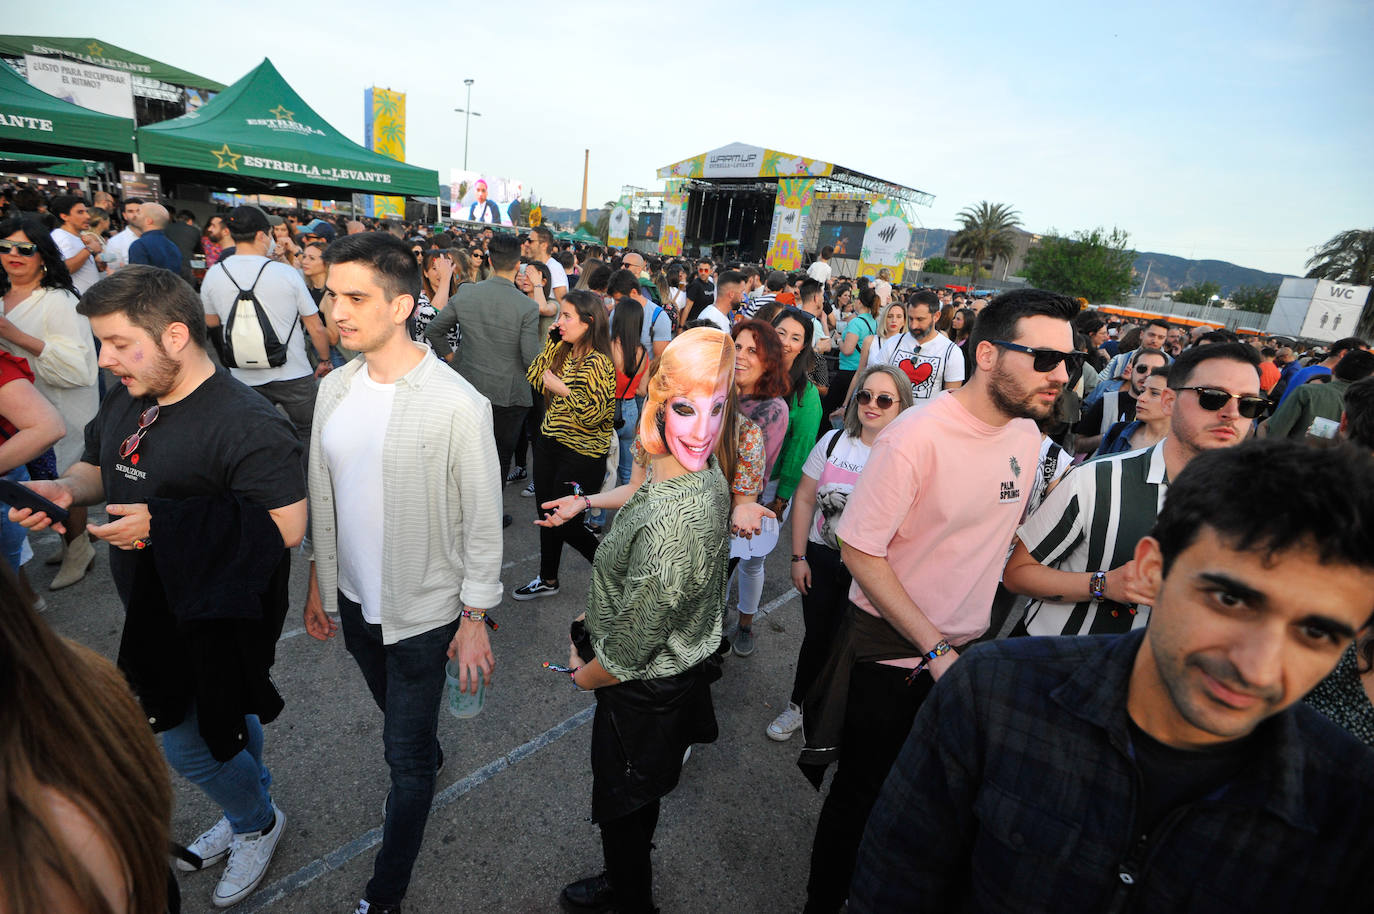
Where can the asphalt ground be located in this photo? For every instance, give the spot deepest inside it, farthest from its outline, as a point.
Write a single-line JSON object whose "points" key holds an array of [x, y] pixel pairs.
{"points": [[511, 818]]}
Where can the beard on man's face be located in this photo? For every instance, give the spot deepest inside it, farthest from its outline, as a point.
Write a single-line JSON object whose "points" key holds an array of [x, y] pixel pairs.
{"points": [[1018, 401]]}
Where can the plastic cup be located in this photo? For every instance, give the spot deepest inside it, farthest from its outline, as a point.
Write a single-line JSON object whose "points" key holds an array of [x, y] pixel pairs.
{"points": [[462, 705]]}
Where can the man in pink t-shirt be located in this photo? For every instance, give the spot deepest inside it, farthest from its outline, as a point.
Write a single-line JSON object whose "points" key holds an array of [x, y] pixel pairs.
{"points": [[925, 535]]}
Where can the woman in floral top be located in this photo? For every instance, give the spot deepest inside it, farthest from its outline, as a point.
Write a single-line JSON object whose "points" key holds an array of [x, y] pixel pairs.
{"points": [[576, 377], [653, 617]]}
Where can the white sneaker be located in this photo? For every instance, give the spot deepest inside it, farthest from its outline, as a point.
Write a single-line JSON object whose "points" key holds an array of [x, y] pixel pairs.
{"points": [[785, 724], [249, 856], [211, 847]]}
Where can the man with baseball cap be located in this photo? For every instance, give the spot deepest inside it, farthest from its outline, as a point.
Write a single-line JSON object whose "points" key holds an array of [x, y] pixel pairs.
{"points": [[318, 230], [283, 297]]}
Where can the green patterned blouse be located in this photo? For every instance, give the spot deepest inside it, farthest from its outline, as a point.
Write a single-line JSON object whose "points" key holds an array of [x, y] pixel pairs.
{"points": [[658, 584]]}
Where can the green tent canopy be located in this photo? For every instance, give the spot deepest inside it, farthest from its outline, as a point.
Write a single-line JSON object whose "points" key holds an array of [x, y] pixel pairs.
{"points": [[101, 54], [29, 115], [260, 128], [48, 165]]}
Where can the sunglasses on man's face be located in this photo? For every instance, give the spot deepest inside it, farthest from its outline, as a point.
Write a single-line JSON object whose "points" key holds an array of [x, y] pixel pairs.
{"points": [[1214, 398], [22, 248], [866, 397], [1045, 360]]}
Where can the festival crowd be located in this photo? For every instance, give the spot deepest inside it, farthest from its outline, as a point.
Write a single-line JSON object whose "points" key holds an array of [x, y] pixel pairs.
{"points": [[1087, 601]]}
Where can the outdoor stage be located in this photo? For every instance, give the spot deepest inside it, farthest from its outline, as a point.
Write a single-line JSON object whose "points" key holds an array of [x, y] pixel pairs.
{"points": [[751, 203]]}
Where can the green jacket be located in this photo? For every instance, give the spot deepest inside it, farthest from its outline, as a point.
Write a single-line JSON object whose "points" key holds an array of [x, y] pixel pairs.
{"points": [[803, 422], [1308, 402]]}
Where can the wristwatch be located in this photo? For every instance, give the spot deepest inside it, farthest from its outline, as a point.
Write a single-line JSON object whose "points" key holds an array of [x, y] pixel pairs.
{"points": [[1097, 585]]}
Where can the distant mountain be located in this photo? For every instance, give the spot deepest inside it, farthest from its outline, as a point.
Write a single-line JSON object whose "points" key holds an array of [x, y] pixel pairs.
{"points": [[1167, 272]]}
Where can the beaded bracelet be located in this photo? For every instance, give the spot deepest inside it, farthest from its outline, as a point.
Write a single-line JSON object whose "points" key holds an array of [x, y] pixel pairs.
{"points": [[572, 674]]}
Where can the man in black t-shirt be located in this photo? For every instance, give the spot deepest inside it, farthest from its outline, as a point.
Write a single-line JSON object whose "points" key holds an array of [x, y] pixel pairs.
{"points": [[179, 442], [701, 291]]}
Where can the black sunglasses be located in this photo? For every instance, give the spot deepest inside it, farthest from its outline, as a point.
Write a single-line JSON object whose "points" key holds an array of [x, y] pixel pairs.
{"points": [[1045, 360], [22, 248], [1214, 398], [866, 397]]}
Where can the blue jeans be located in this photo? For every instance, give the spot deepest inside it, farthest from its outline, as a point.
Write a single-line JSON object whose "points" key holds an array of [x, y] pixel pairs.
{"points": [[239, 786], [407, 682], [12, 535], [629, 410]]}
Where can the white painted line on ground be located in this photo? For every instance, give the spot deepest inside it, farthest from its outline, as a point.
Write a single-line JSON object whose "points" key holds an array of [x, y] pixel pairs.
{"points": [[780, 600], [341, 855]]}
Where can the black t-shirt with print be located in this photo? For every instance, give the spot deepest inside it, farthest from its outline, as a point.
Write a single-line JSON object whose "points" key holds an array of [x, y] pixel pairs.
{"points": [[223, 438]]}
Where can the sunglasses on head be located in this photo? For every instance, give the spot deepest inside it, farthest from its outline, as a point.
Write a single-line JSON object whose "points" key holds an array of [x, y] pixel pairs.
{"points": [[866, 397], [22, 248], [1045, 360], [1214, 398]]}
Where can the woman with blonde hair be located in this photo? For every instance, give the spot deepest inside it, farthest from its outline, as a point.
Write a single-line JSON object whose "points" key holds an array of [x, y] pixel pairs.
{"points": [[87, 801], [828, 478], [653, 618], [879, 348]]}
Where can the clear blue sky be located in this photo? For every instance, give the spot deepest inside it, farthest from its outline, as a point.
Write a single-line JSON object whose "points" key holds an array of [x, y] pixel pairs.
{"points": [[1239, 131]]}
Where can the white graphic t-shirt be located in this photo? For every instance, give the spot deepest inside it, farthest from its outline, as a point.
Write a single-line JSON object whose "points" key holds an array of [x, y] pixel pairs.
{"points": [[928, 366], [835, 476]]}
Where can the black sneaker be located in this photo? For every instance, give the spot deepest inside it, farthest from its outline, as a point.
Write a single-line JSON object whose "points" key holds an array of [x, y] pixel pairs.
{"points": [[535, 589], [516, 472], [592, 894], [368, 907]]}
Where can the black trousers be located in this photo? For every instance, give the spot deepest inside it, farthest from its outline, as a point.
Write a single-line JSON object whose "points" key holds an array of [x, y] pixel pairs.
{"points": [[822, 609], [878, 718], [507, 422], [556, 467], [529, 430], [839, 386], [625, 846]]}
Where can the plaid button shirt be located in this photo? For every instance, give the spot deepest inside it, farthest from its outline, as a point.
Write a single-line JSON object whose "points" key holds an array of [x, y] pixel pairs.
{"points": [[1017, 792]]}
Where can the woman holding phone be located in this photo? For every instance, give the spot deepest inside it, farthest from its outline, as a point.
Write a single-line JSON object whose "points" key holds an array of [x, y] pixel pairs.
{"points": [[653, 618], [576, 377]]}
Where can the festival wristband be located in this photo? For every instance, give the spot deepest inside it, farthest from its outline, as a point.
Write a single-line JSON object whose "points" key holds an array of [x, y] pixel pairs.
{"points": [[479, 615], [798, 558], [1097, 585], [941, 648]]}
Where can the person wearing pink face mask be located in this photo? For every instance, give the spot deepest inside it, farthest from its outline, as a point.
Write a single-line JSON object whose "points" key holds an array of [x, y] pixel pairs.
{"points": [[654, 617]]}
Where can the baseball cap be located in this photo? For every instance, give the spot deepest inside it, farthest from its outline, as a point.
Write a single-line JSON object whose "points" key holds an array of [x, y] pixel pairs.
{"points": [[319, 227], [248, 218]]}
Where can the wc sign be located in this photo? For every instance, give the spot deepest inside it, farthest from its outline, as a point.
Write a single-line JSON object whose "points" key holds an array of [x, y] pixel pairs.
{"points": [[1334, 312]]}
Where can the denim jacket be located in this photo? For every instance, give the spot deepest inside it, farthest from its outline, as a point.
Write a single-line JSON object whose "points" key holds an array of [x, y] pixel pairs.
{"points": [[1017, 790]]}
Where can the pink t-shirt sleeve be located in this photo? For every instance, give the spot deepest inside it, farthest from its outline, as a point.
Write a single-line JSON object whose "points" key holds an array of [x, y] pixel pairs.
{"points": [[882, 498]]}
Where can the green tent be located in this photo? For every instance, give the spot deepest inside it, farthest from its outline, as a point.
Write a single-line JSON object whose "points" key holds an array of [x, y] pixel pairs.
{"points": [[48, 165], [100, 54], [259, 128], [30, 115]]}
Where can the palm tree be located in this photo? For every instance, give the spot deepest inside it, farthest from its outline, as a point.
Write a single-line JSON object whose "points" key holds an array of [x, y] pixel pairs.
{"points": [[1348, 258], [986, 233]]}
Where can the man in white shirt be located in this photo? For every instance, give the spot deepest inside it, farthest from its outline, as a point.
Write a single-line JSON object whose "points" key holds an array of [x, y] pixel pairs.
{"points": [[482, 209], [936, 364], [820, 270], [282, 294], [538, 245], [410, 572], [79, 248], [729, 293], [811, 295], [117, 248]]}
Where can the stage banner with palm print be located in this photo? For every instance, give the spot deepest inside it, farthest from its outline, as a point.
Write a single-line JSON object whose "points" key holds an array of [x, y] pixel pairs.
{"points": [[384, 128], [674, 218], [886, 240], [791, 212]]}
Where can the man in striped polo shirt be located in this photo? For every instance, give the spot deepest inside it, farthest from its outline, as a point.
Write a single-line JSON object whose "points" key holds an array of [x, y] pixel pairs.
{"points": [[1073, 555]]}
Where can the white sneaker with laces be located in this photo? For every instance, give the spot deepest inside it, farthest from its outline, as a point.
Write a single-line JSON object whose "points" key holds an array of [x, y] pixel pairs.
{"points": [[211, 847], [249, 856], [785, 724]]}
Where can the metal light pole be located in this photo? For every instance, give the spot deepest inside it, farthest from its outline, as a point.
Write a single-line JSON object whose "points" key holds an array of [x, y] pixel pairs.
{"points": [[468, 114]]}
